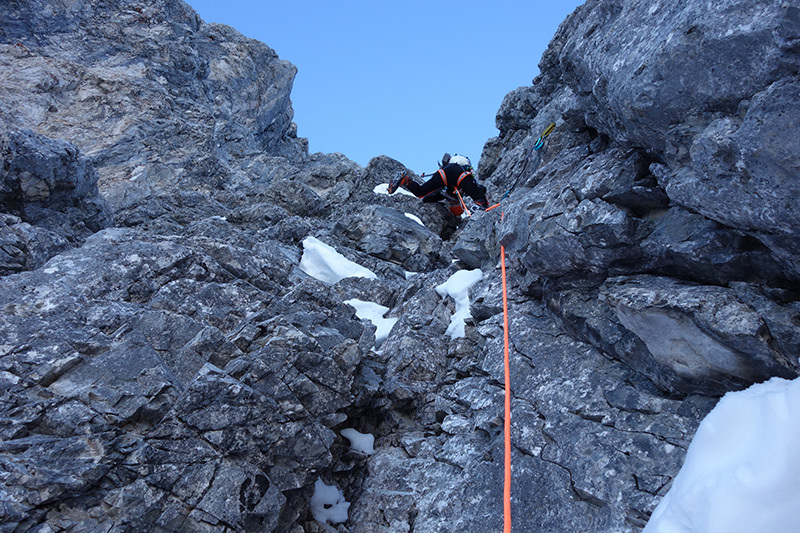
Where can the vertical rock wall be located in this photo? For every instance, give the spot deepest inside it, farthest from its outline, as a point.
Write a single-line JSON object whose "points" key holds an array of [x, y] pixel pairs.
{"points": [[668, 172]]}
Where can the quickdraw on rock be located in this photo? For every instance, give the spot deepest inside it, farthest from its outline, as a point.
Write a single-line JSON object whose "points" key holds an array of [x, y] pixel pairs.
{"points": [[540, 141], [536, 146]]}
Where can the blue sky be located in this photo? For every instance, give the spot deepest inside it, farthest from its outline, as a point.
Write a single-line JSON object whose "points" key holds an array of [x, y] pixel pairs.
{"points": [[410, 79]]}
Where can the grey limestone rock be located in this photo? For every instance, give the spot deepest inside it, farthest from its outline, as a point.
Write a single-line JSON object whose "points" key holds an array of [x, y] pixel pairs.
{"points": [[703, 333], [650, 173], [49, 183], [560, 422], [26, 247], [742, 171], [159, 99], [166, 365], [393, 236], [648, 67], [178, 354]]}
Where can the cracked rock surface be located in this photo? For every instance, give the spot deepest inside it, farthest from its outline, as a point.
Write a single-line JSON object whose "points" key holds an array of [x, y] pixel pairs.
{"points": [[165, 364]]}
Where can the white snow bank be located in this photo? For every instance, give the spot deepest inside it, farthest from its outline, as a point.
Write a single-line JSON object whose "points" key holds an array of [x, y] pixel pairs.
{"points": [[328, 504], [374, 313], [457, 287], [326, 264], [742, 470], [383, 188], [415, 218], [360, 442]]}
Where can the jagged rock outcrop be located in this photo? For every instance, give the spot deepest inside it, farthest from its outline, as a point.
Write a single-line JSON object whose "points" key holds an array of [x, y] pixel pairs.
{"points": [[667, 163], [49, 191], [167, 365], [160, 100]]}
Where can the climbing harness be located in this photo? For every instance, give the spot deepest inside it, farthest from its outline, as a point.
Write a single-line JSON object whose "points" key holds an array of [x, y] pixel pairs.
{"points": [[462, 176], [463, 205], [455, 188]]}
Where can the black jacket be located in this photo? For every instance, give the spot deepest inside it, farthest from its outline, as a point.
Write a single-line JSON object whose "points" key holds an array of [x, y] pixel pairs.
{"points": [[450, 177]]}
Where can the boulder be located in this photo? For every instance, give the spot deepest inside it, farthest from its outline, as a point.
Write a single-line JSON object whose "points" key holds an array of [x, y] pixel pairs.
{"points": [[391, 235], [26, 247], [703, 333]]}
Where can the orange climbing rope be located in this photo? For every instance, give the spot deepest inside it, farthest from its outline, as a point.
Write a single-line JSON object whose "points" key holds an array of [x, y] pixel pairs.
{"points": [[463, 204], [507, 364], [507, 422]]}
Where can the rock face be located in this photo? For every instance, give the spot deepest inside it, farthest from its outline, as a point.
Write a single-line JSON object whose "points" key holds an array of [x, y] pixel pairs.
{"points": [[155, 96], [667, 163], [49, 198], [166, 365]]}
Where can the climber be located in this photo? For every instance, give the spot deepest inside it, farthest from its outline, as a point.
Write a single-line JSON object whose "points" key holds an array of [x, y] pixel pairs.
{"points": [[454, 175]]}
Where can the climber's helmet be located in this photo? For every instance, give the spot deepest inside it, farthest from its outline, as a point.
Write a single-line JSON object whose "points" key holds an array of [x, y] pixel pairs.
{"points": [[461, 160]]}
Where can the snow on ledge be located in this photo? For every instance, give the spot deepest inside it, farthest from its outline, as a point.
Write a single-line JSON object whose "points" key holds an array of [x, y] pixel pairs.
{"points": [[363, 443], [457, 287], [741, 473], [383, 188], [374, 313], [328, 504], [415, 218], [324, 263]]}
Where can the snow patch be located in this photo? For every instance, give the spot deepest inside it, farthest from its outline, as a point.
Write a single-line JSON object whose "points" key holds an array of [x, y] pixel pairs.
{"points": [[415, 219], [328, 504], [374, 313], [457, 287], [324, 263], [137, 172], [360, 442], [383, 188], [742, 470]]}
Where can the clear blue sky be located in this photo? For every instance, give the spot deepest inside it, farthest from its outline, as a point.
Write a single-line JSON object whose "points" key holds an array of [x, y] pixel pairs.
{"points": [[409, 79]]}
